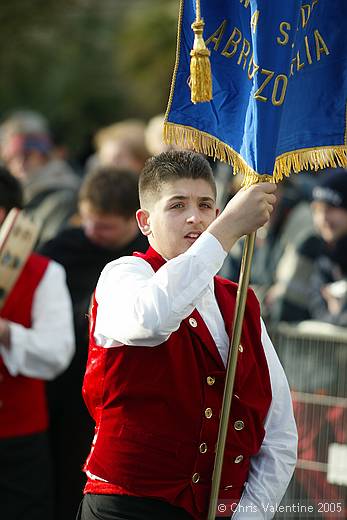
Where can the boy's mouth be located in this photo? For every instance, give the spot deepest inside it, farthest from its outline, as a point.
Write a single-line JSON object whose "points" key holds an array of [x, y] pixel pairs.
{"points": [[192, 235]]}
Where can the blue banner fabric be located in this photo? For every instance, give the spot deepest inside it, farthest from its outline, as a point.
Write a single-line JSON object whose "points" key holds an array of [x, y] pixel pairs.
{"points": [[279, 79]]}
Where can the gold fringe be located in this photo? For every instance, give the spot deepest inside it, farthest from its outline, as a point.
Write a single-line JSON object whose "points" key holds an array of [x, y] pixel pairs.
{"points": [[291, 162], [310, 159]]}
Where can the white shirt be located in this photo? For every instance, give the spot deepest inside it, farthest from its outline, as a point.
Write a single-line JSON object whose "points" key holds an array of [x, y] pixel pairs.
{"points": [[46, 349], [152, 306]]}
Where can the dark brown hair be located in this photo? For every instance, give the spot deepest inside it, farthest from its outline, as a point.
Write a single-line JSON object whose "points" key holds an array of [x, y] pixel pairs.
{"points": [[171, 166], [111, 190]]}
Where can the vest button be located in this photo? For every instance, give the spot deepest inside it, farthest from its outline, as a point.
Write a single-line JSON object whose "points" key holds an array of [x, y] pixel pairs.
{"points": [[239, 425], [208, 413], [195, 478], [203, 447], [193, 322], [211, 380], [238, 459], [240, 348]]}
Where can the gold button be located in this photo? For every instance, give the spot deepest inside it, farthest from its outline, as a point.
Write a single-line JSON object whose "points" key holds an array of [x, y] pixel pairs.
{"points": [[238, 459], [239, 425], [193, 322], [195, 478], [208, 413], [240, 348], [211, 380], [203, 447]]}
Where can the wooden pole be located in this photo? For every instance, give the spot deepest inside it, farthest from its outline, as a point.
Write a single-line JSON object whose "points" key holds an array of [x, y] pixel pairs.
{"points": [[241, 298]]}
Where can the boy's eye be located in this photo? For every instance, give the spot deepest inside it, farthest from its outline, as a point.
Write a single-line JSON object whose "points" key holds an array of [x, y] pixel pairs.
{"points": [[178, 205], [206, 205]]}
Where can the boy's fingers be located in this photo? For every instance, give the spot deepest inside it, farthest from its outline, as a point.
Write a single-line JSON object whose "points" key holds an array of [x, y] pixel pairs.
{"points": [[267, 187], [271, 199]]}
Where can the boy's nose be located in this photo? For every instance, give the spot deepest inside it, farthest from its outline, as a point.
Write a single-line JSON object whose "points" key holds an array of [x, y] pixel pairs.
{"points": [[194, 217]]}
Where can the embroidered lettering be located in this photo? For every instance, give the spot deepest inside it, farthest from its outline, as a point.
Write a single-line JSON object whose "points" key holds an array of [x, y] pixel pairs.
{"points": [[246, 47], [305, 14], [254, 20], [283, 26], [299, 65], [320, 44], [232, 42], [308, 53], [284, 80], [254, 69], [217, 36], [269, 75]]}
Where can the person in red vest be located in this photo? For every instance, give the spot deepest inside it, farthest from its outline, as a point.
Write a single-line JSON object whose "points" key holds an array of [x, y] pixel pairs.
{"points": [[36, 344], [160, 327]]}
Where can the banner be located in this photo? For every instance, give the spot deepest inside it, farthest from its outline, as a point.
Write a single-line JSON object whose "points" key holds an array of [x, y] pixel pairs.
{"points": [[279, 86]]}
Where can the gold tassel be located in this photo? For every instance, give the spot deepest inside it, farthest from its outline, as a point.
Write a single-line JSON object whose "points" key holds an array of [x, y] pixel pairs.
{"points": [[200, 67]]}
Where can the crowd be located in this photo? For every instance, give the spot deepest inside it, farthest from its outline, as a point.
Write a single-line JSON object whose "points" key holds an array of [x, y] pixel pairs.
{"points": [[299, 266], [299, 273]]}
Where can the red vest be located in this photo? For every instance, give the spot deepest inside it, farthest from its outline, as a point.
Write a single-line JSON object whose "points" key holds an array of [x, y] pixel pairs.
{"points": [[23, 409], [157, 409]]}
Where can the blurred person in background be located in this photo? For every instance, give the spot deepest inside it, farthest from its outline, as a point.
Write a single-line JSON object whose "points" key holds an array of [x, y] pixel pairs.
{"points": [[49, 184], [108, 200], [328, 283], [283, 258], [154, 136], [121, 145], [36, 344]]}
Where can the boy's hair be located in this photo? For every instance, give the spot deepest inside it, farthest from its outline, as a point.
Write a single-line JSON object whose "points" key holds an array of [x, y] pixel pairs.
{"points": [[111, 190], [171, 166], [11, 195]]}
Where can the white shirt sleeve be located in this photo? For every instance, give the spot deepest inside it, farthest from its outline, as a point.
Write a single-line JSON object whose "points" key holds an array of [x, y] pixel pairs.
{"points": [[46, 349], [139, 307], [273, 467]]}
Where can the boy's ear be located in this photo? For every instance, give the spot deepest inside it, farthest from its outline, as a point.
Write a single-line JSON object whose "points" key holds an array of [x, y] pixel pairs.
{"points": [[142, 217]]}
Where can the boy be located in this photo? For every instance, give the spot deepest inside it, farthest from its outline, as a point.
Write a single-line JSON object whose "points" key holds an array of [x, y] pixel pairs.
{"points": [[159, 340]]}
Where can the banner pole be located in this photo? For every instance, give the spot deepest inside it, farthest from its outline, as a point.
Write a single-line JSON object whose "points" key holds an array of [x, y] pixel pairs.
{"points": [[240, 306]]}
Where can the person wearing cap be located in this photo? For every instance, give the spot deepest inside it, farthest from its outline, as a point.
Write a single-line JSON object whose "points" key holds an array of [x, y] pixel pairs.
{"points": [[328, 284], [49, 184]]}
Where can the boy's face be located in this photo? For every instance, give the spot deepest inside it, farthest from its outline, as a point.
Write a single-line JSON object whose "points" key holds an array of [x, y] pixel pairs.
{"points": [[183, 210]]}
